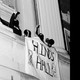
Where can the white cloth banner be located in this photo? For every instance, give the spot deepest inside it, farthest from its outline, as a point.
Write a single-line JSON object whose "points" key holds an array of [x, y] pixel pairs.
{"points": [[41, 61]]}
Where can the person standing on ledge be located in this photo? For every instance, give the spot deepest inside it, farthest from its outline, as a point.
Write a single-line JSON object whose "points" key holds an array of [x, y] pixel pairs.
{"points": [[40, 35], [12, 20], [14, 23]]}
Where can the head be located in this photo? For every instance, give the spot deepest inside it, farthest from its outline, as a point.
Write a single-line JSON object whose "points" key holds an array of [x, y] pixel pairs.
{"points": [[51, 42], [47, 40], [27, 33]]}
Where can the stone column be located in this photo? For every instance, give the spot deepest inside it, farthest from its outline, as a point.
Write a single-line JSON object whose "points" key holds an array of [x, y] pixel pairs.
{"points": [[50, 21]]}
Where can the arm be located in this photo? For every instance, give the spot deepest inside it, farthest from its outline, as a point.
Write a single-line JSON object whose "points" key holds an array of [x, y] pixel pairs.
{"points": [[17, 14], [38, 29]]}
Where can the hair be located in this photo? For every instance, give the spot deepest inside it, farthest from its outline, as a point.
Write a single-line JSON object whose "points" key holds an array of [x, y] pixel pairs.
{"points": [[27, 33], [47, 40], [51, 41]]}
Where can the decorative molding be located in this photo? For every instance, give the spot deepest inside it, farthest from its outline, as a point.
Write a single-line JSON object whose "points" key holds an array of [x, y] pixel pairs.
{"points": [[63, 55], [63, 58], [6, 8]]}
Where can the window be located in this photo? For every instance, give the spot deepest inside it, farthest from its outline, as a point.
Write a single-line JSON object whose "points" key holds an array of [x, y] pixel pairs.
{"points": [[67, 39], [64, 7]]}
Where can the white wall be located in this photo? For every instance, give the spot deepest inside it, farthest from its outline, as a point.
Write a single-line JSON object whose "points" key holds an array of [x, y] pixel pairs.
{"points": [[12, 56], [12, 52], [64, 70], [7, 73]]}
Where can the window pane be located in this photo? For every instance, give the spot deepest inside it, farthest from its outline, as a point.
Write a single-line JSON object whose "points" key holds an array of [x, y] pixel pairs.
{"points": [[67, 39]]}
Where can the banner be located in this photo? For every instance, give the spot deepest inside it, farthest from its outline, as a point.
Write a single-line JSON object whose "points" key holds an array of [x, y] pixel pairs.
{"points": [[41, 61]]}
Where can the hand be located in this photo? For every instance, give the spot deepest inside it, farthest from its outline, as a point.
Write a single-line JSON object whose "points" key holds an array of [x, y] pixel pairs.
{"points": [[18, 13]]}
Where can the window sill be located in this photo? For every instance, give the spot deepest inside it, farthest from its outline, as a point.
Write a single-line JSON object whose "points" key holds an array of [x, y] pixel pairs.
{"points": [[63, 55]]}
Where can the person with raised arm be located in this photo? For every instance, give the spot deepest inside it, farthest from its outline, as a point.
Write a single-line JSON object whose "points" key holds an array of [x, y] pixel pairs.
{"points": [[40, 35]]}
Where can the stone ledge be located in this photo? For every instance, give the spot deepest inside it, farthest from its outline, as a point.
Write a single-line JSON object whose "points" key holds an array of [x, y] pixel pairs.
{"points": [[63, 55], [8, 32]]}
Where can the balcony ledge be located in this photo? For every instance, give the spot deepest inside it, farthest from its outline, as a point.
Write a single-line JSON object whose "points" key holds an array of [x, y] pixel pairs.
{"points": [[8, 32], [63, 55]]}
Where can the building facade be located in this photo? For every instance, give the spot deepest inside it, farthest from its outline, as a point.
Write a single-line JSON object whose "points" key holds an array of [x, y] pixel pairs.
{"points": [[12, 46]]}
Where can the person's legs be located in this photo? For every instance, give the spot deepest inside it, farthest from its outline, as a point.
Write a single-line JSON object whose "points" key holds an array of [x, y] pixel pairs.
{"points": [[17, 31]]}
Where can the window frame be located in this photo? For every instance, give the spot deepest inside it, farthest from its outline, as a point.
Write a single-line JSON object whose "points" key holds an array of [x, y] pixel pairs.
{"points": [[67, 39]]}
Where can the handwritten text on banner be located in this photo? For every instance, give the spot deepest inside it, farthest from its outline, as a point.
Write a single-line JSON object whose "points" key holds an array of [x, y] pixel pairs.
{"points": [[41, 61]]}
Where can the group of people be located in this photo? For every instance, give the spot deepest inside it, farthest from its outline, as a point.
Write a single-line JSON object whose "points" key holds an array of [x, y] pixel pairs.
{"points": [[49, 42], [14, 24]]}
